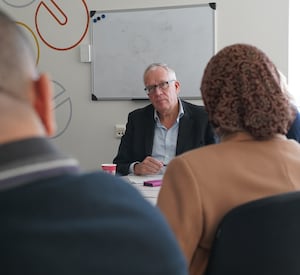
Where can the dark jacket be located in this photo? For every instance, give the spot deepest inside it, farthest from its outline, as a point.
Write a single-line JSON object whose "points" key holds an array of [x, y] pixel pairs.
{"points": [[194, 131], [294, 131]]}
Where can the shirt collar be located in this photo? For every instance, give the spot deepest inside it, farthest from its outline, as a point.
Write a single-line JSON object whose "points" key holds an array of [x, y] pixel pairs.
{"points": [[32, 159]]}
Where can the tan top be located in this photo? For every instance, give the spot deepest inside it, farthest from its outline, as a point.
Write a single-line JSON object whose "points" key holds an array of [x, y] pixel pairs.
{"points": [[200, 186]]}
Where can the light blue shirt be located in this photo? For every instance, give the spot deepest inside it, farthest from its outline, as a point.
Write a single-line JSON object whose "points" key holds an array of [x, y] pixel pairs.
{"points": [[165, 140]]}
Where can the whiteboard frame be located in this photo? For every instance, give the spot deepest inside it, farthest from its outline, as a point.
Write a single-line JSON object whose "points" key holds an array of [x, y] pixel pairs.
{"points": [[134, 51]]}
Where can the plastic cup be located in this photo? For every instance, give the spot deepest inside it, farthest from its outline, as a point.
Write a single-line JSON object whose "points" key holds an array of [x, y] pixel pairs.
{"points": [[109, 168]]}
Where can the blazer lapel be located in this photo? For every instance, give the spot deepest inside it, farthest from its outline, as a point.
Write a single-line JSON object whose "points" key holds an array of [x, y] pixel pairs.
{"points": [[185, 129], [149, 131]]}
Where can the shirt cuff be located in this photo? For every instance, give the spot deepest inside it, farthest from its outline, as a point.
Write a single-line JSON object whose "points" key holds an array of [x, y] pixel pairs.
{"points": [[131, 171]]}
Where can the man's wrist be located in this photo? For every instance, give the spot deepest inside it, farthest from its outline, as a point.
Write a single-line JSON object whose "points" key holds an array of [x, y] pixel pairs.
{"points": [[131, 167]]}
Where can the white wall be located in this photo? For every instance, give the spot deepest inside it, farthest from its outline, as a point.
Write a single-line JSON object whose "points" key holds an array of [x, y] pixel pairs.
{"points": [[85, 127]]}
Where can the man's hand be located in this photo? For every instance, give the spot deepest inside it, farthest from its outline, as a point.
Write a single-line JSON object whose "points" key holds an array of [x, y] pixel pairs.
{"points": [[149, 166]]}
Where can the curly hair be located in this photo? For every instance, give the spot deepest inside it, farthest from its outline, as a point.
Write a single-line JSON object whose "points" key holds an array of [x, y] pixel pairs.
{"points": [[242, 92]]}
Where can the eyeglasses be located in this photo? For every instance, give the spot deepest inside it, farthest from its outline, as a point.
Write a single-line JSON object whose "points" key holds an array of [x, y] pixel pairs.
{"points": [[163, 86]]}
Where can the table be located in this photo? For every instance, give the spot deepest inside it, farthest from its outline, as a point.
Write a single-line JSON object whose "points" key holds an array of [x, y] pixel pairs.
{"points": [[148, 192]]}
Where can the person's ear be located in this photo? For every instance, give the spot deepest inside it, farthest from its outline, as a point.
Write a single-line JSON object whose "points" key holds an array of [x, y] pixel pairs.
{"points": [[177, 86], [43, 103]]}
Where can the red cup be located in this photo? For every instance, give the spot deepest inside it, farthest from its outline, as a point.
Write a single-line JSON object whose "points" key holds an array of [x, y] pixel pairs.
{"points": [[109, 168]]}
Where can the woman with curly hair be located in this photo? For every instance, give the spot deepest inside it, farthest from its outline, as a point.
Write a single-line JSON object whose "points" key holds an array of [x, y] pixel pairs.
{"points": [[251, 112]]}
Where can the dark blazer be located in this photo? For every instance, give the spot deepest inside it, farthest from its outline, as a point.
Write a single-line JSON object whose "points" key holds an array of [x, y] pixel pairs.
{"points": [[294, 131], [194, 131]]}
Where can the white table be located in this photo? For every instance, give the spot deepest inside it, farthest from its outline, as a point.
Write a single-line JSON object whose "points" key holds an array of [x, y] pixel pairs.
{"points": [[148, 192]]}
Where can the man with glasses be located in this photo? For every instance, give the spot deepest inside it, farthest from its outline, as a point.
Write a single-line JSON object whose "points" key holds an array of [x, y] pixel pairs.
{"points": [[163, 129]]}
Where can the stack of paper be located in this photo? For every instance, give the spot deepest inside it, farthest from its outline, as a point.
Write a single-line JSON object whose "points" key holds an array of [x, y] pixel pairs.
{"points": [[150, 193]]}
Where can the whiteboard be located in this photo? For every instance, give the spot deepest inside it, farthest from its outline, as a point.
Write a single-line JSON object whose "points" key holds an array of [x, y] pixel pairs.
{"points": [[125, 42]]}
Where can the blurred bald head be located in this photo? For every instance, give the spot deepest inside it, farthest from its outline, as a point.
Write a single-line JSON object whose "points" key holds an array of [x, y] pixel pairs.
{"points": [[25, 96]]}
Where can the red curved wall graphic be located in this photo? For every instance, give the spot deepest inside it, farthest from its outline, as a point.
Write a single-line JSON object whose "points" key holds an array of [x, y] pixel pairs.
{"points": [[66, 32]]}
